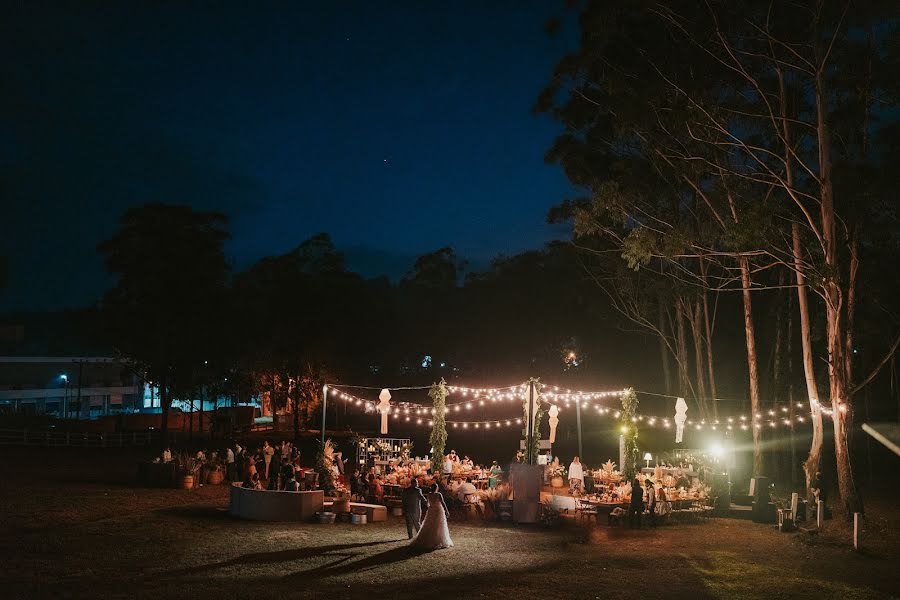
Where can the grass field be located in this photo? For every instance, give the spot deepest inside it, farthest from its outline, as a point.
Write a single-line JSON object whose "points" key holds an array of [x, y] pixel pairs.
{"points": [[74, 526]]}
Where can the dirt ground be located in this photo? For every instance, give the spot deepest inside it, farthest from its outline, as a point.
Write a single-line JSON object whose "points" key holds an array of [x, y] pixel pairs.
{"points": [[73, 525]]}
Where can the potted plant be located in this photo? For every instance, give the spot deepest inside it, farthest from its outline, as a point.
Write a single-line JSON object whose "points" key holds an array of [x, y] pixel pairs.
{"points": [[216, 474], [188, 470], [341, 502], [558, 476]]}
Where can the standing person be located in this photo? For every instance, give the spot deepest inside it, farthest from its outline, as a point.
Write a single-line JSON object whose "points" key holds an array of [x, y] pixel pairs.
{"points": [[576, 475], [290, 482], [414, 505], [637, 504], [268, 453], [663, 507], [496, 472], [448, 467], [230, 473], [435, 533], [275, 467], [651, 501]]}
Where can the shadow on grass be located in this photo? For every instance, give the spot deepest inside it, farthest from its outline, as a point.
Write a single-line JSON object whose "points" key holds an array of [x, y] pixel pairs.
{"points": [[339, 567], [196, 512], [273, 557]]}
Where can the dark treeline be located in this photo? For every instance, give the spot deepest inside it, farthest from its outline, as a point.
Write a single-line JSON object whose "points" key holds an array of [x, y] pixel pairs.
{"points": [[289, 323]]}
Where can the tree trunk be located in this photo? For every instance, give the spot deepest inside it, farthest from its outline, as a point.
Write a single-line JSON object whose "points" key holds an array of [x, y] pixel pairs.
{"points": [[697, 333], [664, 350], [707, 325], [752, 365], [836, 331], [790, 387], [778, 391], [683, 377], [814, 459]]}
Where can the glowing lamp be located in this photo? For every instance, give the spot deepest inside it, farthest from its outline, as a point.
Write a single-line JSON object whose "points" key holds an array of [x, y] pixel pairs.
{"points": [[648, 457]]}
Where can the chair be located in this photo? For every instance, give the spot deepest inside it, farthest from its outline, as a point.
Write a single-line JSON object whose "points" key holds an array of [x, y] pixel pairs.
{"points": [[710, 508], [311, 480], [585, 510]]}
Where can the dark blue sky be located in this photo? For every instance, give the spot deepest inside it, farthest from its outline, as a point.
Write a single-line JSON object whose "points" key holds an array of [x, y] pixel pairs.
{"points": [[396, 128]]}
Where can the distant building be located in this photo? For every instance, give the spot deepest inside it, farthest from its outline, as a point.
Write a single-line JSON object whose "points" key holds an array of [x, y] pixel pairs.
{"points": [[68, 386]]}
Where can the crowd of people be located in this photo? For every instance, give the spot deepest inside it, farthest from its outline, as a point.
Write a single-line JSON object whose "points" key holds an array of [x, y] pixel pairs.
{"points": [[267, 466]]}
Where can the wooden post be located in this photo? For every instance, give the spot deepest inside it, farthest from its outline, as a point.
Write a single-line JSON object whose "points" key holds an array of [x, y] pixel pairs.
{"points": [[820, 513], [795, 501], [856, 516]]}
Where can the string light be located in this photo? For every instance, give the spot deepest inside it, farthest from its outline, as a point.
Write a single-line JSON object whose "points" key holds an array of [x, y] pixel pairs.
{"points": [[581, 397]]}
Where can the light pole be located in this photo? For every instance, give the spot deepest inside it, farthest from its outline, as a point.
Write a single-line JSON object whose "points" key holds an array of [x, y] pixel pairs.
{"points": [[65, 406], [572, 362], [324, 408]]}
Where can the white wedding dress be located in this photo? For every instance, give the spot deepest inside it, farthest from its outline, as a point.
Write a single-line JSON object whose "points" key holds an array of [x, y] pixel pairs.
{"points": [[434, 533]]}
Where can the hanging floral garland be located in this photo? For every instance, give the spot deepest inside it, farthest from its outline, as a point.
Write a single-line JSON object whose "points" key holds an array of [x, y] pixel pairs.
{"points": [[628, 422], [438, 394], [532, 451]]}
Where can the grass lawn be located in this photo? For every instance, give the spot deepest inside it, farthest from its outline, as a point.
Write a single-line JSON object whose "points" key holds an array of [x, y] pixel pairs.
{"points": [[80, 529]]}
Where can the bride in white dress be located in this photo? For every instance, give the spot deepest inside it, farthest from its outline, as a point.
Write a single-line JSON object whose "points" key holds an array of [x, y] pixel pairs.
{"points": [[434, 533]]}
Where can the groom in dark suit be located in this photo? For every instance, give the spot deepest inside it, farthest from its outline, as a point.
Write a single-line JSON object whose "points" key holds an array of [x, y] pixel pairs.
{"points": [[414, 507]]}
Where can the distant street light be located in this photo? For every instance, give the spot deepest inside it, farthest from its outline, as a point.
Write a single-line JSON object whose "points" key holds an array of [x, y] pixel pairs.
{"points": [[65, 406]]}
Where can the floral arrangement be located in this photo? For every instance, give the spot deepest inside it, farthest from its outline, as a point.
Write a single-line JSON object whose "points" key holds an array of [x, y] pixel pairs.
{"points": [[558, 471], [325, 466], [491, 498]]}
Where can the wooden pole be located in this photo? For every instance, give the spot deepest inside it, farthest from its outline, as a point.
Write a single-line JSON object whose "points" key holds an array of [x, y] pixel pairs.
{"points": [[530, 437], [856, 516], [795, 500], [820, 513], [324, 408]]}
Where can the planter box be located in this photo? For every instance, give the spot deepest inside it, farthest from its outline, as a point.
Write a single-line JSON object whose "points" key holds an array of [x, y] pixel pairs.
{"points": [[264, 505]]}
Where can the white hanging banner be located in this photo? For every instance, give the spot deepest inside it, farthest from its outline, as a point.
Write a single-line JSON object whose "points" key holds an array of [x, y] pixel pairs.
{"points": [[680, 417], [384, 407], [554, 421]]}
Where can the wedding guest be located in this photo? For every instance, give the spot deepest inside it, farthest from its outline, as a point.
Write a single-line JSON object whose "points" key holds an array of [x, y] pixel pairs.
{"points": [[252, 480], [651, 502], [230, 473], [576, 475], [167, 455], [268, 453], [496, 471], [663, 507], [447, 469], [376, 490], [290, 481], [465, 488], [637, 504], [467, 462]]}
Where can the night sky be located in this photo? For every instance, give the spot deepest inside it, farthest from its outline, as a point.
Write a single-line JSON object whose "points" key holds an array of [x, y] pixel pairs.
{"points": [[397, 128]]}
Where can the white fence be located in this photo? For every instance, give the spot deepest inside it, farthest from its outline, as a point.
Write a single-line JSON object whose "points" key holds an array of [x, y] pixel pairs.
{"points": [[45, 437]]}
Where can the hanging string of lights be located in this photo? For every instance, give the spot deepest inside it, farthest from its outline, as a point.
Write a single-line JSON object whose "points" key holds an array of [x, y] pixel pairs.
{"points": [[420, 414]]}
